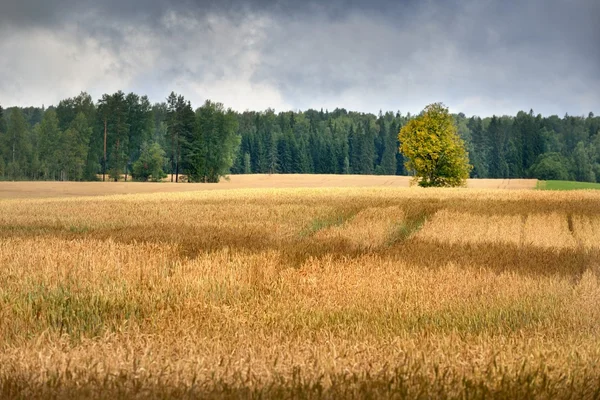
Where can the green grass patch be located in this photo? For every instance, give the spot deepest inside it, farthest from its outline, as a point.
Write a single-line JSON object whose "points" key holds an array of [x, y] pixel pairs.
{"points": [[473, 318], [405, 229], [566, 185], [327, 221], [79, 229], [68, 311]]}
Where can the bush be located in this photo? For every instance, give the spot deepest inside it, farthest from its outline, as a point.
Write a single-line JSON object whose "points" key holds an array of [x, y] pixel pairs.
{"points": [[550, 167]]}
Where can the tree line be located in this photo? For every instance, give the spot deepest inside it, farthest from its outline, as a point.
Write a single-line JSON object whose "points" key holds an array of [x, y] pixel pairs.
{"points": [[125, 136]]}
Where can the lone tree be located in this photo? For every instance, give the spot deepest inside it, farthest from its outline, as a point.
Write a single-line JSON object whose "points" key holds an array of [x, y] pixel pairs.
{"points": [[433, 149]]}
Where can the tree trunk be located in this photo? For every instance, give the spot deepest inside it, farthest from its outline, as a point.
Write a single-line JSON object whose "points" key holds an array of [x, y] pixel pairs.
{"points": [[177, 166], [104, 163], [173, 156], [117, 176]]}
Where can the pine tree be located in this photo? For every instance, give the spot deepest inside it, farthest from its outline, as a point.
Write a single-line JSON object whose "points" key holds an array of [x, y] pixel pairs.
{"points": [[180, 132], [118, 129], [17, 145], [582, 165], [68, 109], [51, 144], [366, 149], [139, 117], [75, 147], [285, 146], [104, 105], [2, 142], [498, 167], [480, 150], [213, 144], [247, 164], [390, 148], [2, 121]]}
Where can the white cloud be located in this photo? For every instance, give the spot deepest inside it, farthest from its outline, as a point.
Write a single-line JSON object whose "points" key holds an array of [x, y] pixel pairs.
{"points": [[42, 66]]}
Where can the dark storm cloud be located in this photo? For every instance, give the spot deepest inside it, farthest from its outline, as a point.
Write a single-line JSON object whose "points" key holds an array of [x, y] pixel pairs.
{"points": [[36, 11], [532, 55], [479, 57]]}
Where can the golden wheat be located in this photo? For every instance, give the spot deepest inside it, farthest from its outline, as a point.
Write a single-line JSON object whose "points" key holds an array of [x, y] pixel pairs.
{"points": [[315, 292], [255, 181]]}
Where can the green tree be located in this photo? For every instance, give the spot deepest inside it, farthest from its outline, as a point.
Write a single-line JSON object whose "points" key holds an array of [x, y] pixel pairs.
{"points": [[582, 164], [390, 148], [139, 117], [367, 158], [17, 145], [355, 145], [150, 163], [211, 149], [302, 160], [118, 135], [311, 141], [75, 147], [2, 122], [434, 150], [113, 110], [247, 164], [2, 142], [480, 149], [346, 169], [103, 114], [550, 166], [180, 132], [272, 152], [50, 143], [68, 109], [498, 167]]}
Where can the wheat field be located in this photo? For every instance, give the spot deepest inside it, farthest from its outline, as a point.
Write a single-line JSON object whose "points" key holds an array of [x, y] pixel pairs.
{"points": [[255, 181], [373, 292]]}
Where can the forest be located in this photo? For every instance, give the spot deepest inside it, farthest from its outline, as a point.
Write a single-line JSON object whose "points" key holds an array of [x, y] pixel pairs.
{"points": [[125, 136]]}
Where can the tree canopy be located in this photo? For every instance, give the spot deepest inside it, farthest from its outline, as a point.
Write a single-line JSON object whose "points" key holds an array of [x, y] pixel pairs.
{"points": [[433, 149], [212, 146], [66, 142], [150, 163]]}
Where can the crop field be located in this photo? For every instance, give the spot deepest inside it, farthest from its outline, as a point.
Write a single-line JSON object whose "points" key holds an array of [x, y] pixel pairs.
{"points": [[256, 181], [357, 292]]}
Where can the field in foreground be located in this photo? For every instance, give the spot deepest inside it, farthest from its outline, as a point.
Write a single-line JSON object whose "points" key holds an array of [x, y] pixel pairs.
{"points": [[566, 185], [304, 293], [257, 181]]}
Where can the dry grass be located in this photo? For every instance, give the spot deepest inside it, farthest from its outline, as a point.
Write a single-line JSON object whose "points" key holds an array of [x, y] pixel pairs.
{"points": [[303, 293], [68, 189]]}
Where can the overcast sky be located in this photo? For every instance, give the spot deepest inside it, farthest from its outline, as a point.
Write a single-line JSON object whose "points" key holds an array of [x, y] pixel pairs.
{"points": [[480, 57]]}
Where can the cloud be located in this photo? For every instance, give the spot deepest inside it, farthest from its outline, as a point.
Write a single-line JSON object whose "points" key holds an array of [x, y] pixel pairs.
{"points": [[478, 57], [41, 67]]}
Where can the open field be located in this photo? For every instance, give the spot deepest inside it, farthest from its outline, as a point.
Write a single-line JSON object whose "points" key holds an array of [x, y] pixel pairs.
{"points": [[64, 189], [566, 185], [302, 293]]}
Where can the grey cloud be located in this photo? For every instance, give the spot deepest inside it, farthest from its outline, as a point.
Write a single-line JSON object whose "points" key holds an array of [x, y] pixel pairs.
{"points": [[477, 56], [518, 54]]}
